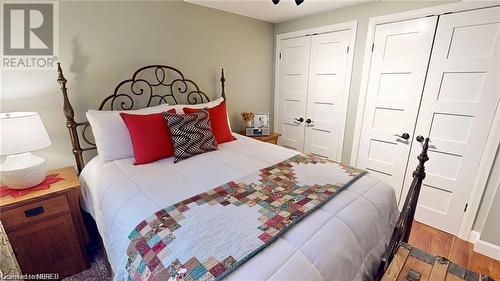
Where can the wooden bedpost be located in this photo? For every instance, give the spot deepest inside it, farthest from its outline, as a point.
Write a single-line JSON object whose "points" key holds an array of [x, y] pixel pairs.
{"points": [[70, 120], [402, 229], [222, 81]]}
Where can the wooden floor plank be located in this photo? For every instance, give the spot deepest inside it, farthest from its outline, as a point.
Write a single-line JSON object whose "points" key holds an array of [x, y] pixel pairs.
{"points": [[397, 263], [451, 277], [484, 265], [436, 242], [439, 270], [416, 265], [460, 252]]}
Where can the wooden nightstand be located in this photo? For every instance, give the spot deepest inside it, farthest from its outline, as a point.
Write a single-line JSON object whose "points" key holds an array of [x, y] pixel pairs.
{"points": [[272, 138], [46, 229]]}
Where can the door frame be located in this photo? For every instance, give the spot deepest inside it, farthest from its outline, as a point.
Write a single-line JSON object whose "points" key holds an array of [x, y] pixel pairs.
{"points": [[349, 25], [489, 151]]}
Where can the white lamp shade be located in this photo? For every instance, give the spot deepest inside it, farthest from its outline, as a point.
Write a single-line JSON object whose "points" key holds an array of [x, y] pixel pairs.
{"points": [[22, 132]]}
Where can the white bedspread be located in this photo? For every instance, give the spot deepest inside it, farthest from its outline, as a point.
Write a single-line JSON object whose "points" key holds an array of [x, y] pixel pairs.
{"points": [[343, 240]]}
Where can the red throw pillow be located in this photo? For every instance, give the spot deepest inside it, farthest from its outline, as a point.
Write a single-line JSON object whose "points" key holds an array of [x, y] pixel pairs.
{"points": [[150, 136], [218, 121]]}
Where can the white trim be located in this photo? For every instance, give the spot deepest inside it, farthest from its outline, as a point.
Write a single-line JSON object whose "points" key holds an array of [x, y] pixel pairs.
{"points": [[474, 236], [487, 249], [494, 135], [277, 47], [321, 29], [349, 25], [350, 64], [362, 92]]}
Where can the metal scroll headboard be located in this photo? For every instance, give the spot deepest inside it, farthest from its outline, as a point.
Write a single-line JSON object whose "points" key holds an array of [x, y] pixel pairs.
{"points": [[150, 85]]}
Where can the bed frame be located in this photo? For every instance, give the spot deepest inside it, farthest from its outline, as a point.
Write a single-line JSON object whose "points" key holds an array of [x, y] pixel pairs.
{"points": [[166, 84]]}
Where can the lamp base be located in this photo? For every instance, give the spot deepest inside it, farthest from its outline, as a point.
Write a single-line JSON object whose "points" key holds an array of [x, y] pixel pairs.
{"points": [[25, 170]]}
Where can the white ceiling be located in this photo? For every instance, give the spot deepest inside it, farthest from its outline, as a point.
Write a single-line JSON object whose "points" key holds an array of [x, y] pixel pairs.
{"points": [[285, 10]]}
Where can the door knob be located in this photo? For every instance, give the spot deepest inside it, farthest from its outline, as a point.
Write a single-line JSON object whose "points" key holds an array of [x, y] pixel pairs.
{"points": [[299, 120], [309, 121], [404, 136], [420, 138]]}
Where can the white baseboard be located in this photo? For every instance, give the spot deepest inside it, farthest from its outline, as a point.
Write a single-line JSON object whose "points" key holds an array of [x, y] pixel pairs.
{"points": [[487, 249], [474, 236]]}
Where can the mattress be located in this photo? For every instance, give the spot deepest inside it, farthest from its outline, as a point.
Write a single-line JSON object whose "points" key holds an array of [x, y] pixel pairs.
{"points": [[343, 240]]}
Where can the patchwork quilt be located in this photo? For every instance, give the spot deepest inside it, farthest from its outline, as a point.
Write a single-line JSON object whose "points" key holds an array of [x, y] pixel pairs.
{"points": [[210, 234]]}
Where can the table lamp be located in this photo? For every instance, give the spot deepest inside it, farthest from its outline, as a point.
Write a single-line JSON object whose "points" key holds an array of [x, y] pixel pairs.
{"points": [[20, 134]]}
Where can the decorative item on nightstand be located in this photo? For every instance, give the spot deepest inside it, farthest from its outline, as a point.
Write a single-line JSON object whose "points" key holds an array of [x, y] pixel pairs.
{"points": [[260, 125], [22, 133], [248, 118]]}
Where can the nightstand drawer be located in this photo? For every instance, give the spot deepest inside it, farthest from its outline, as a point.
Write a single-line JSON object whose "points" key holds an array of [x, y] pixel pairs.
{"points": [[34, 211]]}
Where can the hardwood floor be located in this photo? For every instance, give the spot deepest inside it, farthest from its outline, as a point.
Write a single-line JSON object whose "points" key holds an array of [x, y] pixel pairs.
{"points": [[437, 242]]}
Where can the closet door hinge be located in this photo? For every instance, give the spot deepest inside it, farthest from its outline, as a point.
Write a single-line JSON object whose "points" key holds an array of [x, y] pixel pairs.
{"points": [[373, 46], [466, 205]]}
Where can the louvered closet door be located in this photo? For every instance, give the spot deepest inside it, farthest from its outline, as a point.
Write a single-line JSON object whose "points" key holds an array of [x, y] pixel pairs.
{"points": [[293, 76], [460, 98], [396, 81], [327, 94]]}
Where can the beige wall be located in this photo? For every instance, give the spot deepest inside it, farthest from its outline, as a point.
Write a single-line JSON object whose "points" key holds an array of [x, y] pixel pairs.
{"points": [[488, 218], [102, 43], [360, 13], [491, 231]]}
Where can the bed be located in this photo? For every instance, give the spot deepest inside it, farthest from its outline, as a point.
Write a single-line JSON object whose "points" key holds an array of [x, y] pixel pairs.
{"points": [[351, 237]]}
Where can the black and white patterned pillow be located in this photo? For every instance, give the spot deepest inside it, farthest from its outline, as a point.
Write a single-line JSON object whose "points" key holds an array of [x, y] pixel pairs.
{"points": [[191, 134]]}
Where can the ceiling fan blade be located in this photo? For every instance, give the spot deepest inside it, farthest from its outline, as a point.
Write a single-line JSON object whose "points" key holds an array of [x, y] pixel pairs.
{"points": [[275, 2], [298, 2]]}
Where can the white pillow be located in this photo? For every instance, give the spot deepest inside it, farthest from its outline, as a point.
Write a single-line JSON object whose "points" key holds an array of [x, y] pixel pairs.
{"points": [[110, 133], [179, 108]]}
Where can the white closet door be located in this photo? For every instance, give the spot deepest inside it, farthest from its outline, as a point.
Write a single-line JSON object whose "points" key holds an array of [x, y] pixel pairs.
{"points": [[397, 74], [327, 94], [460, 98], [293, 76]]}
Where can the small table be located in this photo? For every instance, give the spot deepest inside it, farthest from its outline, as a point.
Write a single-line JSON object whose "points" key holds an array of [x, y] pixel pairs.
{"points": [[272, 138], [46, 228]]}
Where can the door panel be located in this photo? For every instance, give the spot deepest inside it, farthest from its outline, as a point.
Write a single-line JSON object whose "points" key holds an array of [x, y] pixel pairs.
{"points": [[396, 81], [327, 94], [460, 98], [293, 76]]}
